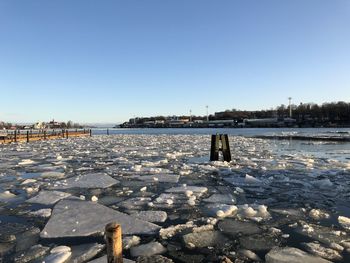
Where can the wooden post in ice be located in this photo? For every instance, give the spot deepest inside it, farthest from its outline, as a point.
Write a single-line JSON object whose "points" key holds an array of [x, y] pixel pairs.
{"points": [[67, 134], [15, 135], [225, 148], [27, 136], [90, 132], [215, 147], [113, 235]]}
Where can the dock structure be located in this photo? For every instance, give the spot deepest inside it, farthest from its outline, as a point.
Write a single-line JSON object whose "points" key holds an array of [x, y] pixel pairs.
{"points": [[39, 135]]}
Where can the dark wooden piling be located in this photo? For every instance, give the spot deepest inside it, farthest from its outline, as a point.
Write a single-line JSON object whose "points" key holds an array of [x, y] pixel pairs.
{"points": [[113, 235], [214, 149], [225, 148], [219, 142]]}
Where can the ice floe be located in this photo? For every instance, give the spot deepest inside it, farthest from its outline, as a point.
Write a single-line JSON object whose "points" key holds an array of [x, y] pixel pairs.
{"points": [[66, 214], [151, 216], [148, 249], [204, 239], [94, 180], [48, 197], [292, 255]]}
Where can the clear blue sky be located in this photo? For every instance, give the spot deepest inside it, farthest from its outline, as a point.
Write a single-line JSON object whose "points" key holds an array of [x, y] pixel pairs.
{"points": [[106, 61]]}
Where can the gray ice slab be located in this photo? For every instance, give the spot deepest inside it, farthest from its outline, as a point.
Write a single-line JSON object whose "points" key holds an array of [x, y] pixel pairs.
{"points": [[76, 218], [259, 242], [320, 233], [149, 249], [158, 178], [243, 181], [291, 255], [151, 216], [235, 227], [52, 174], [93, 180], [322, 251], [204, 239], [31, 254], [135, 202], [85, 252], [48, 197], [221, 199], [184, 188]]}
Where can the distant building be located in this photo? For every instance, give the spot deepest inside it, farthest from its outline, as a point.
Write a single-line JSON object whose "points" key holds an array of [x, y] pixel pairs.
{"points": [[53, 125], [270, 122], [221, 123], [39, 125]]}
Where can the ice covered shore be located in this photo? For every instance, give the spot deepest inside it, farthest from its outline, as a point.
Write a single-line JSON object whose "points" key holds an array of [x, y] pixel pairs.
{"points": [[275, 202]]}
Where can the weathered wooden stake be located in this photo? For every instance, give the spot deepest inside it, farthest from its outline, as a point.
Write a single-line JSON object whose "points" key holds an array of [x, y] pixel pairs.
{"points": [[45, 135], [113, 235], [27, 136], [215, 147], [15, 136], [225, 148], [107, 131], [90, 132]]}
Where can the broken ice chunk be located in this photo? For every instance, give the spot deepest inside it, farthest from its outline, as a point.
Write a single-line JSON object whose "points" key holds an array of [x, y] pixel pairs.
{"points": [[148, 249], [204, 239], [95, 180], [235, 227], [318, 214], [221, 198], [344, 222], [291, 255], [151, 216], [319, 250], [220, 210], [88, 214], [48, 197], [46, 212]]}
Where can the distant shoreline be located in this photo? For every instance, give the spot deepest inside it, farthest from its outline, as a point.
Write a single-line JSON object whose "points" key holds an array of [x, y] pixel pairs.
{"points": [[226, 127]]}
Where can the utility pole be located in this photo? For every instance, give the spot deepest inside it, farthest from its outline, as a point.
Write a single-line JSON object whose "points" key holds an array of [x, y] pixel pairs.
{"points": [[207, 113], [290, 107], [190, 115]]}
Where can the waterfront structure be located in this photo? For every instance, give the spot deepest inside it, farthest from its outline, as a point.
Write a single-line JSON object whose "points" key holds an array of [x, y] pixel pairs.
{"points": [[290, 107]]}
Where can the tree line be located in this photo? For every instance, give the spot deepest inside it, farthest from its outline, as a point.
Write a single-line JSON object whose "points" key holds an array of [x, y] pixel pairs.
{"points": [[56, 125], [334, 113]]}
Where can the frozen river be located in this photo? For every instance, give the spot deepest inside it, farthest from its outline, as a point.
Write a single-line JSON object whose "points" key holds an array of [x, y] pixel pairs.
{"points": [[277, 201]]}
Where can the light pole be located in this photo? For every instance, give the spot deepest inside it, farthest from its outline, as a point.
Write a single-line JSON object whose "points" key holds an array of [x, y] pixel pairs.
{"points": [[290, 107], [207, 113]]}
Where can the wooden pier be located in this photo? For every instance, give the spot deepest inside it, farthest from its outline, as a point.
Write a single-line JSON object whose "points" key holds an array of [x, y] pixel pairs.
{"points": [[39, 135]]}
